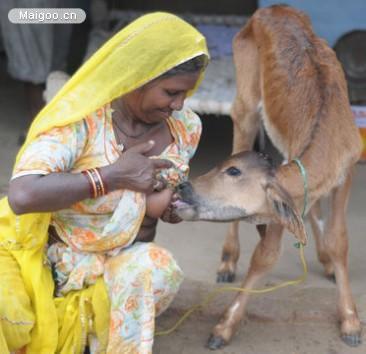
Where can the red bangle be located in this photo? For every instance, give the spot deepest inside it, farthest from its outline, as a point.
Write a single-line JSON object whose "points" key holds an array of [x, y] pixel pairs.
{"points": [[92, 187], [96, 184], [102, 182]]}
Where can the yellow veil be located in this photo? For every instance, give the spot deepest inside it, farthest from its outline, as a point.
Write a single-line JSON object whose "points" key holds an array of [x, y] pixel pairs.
{"points": [[140, 52]]}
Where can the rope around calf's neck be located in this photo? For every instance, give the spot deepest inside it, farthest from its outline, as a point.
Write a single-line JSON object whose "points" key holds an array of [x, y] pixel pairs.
{"points": [[304, 176], [213, 294]]}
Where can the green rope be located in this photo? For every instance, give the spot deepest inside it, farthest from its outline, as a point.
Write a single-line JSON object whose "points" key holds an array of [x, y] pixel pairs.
{"points": [[305, 180]]}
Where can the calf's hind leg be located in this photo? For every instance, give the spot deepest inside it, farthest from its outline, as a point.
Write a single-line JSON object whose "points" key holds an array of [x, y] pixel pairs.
{"points": [[244, 114], [230, 255], [318, 225], [244, 135], [336, 244]]}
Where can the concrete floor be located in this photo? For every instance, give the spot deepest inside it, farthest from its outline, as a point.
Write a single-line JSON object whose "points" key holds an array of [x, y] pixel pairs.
{"points": [[293, 320]]}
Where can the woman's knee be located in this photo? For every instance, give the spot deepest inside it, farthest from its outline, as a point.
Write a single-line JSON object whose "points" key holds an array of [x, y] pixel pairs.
{"points": [[147, 261], [160, 263], [165, 266]]}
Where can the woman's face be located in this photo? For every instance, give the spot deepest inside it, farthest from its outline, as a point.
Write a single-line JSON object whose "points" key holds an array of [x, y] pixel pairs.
{"points": [[155, 101]]}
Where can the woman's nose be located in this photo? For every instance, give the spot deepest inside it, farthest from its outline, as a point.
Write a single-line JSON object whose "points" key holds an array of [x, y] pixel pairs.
{"points": [[177, 103]]}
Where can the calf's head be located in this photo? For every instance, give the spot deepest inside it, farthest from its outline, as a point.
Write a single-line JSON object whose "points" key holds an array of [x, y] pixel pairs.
{"points": [[243, 187]]}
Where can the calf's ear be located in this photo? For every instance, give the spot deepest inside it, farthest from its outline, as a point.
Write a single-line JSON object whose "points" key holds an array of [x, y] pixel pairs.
{"points": [[284, 210]]}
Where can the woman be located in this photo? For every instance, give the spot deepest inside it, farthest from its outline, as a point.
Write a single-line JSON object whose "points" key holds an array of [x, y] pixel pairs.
{"points": [[97, 170]]}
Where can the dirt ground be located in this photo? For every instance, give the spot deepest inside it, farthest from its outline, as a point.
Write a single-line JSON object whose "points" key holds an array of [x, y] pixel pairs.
{"points": [[294, 320]]}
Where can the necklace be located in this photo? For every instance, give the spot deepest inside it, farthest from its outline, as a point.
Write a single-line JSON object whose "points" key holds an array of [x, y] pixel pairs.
{"points": [[128, 134], [122, 113]]}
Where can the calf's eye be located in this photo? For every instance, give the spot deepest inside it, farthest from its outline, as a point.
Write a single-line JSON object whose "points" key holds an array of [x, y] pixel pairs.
{"points": [[233, 171]]}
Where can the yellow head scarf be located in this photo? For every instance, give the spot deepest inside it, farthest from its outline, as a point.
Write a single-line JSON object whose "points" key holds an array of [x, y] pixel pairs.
{"points": [[140, 52]]}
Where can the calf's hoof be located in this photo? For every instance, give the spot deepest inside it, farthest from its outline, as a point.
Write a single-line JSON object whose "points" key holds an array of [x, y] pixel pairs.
{"points": [[215, 342], [225, 277], [353, 340], [332, 278]]}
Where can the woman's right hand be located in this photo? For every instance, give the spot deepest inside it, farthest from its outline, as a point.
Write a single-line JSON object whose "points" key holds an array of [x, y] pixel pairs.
{"points": [[134, 170], [59, 190]]}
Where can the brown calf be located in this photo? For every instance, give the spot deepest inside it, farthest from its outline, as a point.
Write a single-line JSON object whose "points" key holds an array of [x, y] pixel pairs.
{"points": [[291, 80]]}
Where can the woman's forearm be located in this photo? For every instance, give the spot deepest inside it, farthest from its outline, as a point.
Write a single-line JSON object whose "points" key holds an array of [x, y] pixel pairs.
{"points": [[37, 193]]}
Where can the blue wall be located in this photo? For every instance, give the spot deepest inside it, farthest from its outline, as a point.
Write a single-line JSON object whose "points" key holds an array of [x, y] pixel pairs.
{"points": [[331, 18]]}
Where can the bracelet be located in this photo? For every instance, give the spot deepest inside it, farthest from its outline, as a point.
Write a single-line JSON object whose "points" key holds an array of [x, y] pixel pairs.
{"points": [[97, 186], [92, 187], [103, 185]]}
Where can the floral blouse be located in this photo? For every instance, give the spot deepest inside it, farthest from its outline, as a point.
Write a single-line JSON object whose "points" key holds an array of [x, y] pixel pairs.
{"points": [[112, 221]]}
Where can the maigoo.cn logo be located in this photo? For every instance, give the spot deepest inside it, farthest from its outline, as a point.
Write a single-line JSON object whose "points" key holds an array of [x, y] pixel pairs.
{"points": [[39, 16]]}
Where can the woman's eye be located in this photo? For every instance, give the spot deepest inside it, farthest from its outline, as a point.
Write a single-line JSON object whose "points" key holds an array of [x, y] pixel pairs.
{"points": [[171, 93], [233, 171]]}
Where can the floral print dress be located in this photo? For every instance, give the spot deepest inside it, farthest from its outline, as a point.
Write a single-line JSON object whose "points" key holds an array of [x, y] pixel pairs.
{"points": [[98, 234]]}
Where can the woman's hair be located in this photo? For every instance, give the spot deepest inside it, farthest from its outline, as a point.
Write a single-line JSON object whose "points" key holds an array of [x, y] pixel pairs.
{"points": [[193, 65]]}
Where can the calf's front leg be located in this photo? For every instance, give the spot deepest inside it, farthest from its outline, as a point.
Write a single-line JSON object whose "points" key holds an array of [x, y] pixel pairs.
{"points": [[263, 259]]}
